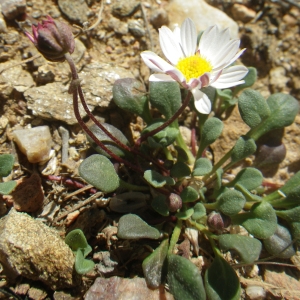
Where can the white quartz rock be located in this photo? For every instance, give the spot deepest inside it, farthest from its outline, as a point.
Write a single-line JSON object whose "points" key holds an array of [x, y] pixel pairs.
{"points": [[35, 143]]}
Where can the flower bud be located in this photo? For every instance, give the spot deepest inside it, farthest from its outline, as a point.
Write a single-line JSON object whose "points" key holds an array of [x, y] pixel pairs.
{"points": [[53, 39], [218, 221], [174, 202]]}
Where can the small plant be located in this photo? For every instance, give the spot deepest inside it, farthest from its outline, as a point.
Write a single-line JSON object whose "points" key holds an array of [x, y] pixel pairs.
{"points": [[6, 166], [186, 187], [78, 243]]}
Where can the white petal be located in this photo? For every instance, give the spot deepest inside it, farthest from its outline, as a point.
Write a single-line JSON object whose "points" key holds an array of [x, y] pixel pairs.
{"points": [[202, 102], [160, 77], [230, 77], [188, 36], [208, 44], [170, 45], [155, 63]]}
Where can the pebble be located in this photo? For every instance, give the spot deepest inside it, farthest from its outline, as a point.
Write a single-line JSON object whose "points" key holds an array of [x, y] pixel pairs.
{"points": [[203, 15], [12, 8], [242, 13], [124, 8], [20, 79], [159, 17], [33, 250], [52, 101], [136, 28], [278, 80], [256, 292], [3, 27], [118, 26], [28, 196], [3, 123], [35, 143], [75, 10], [45, 74]]}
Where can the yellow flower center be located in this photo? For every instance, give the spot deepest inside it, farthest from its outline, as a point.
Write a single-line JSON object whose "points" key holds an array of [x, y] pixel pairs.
{"points": [[193, 66]]}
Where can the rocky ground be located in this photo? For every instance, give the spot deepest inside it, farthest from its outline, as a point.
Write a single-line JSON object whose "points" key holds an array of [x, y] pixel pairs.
{"points": [[33, 93]]}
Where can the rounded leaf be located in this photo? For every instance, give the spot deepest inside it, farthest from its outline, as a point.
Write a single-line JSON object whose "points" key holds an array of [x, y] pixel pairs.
{"points": [[82, 265], [221, 281], [199, 211], [98, 171], [7, 187], [243, 147], [248, 248], [184, 279], [202, 166], [180, 169], [157, 180], [6, 164], [231, 202], [189, 194], [133, 227], [159, 204]]}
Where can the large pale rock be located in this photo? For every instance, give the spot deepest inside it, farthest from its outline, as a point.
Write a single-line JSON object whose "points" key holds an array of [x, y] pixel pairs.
{"points": [[52, 100], [35, 143], [12, 8], [201, 13], [31, 249]]}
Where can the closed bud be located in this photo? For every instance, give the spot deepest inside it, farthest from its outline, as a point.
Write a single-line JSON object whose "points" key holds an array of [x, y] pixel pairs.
{"points": [[174, 202], [53, 39], [217, 221]]}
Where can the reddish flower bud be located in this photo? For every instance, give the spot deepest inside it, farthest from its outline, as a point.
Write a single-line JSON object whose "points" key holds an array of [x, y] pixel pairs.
{"points": [[53, 39], [174, 202]]}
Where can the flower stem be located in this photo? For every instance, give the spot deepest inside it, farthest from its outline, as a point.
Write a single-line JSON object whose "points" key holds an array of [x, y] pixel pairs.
{"points": [[175, 236], [167, 123]]}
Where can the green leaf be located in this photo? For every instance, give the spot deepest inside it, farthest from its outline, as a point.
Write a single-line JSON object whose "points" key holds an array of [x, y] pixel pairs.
{"points": [[189, 194], [231, 202], [166, 97], [98, 171], [130, 95], [283, 110], [157, 180], [280, 240], [133, 227], [6, 164], [248, 248], [225, 94], [249, 178], [180, 169], [159, 204], [211, 130], [184, 279], [202, 166], [163, 138], [184, 215], [253, 107], [154, 265], [219, 174], [244, 147], [107, 141], [221, 281], [199, 211], [76, 239], [249, 79], [261, 221], [290, 215], [7, 187], [82, 265]]}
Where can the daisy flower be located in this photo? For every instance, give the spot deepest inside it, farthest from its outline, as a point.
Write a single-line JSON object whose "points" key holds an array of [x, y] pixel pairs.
{"points": [[197, 66]]}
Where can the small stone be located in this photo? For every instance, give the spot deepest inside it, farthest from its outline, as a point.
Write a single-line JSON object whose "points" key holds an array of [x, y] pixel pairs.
{"points": [[242, 13], [16, 77], [31, 249], [255, 292], [136, 28], [3, 123], [118, 26], [12, 8], [28, 196], [124, 288], [124, 8], [75, 10], [35, 143], [3, 27], [36, 294], [278, 80], [159, 17], [45, 75]]}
